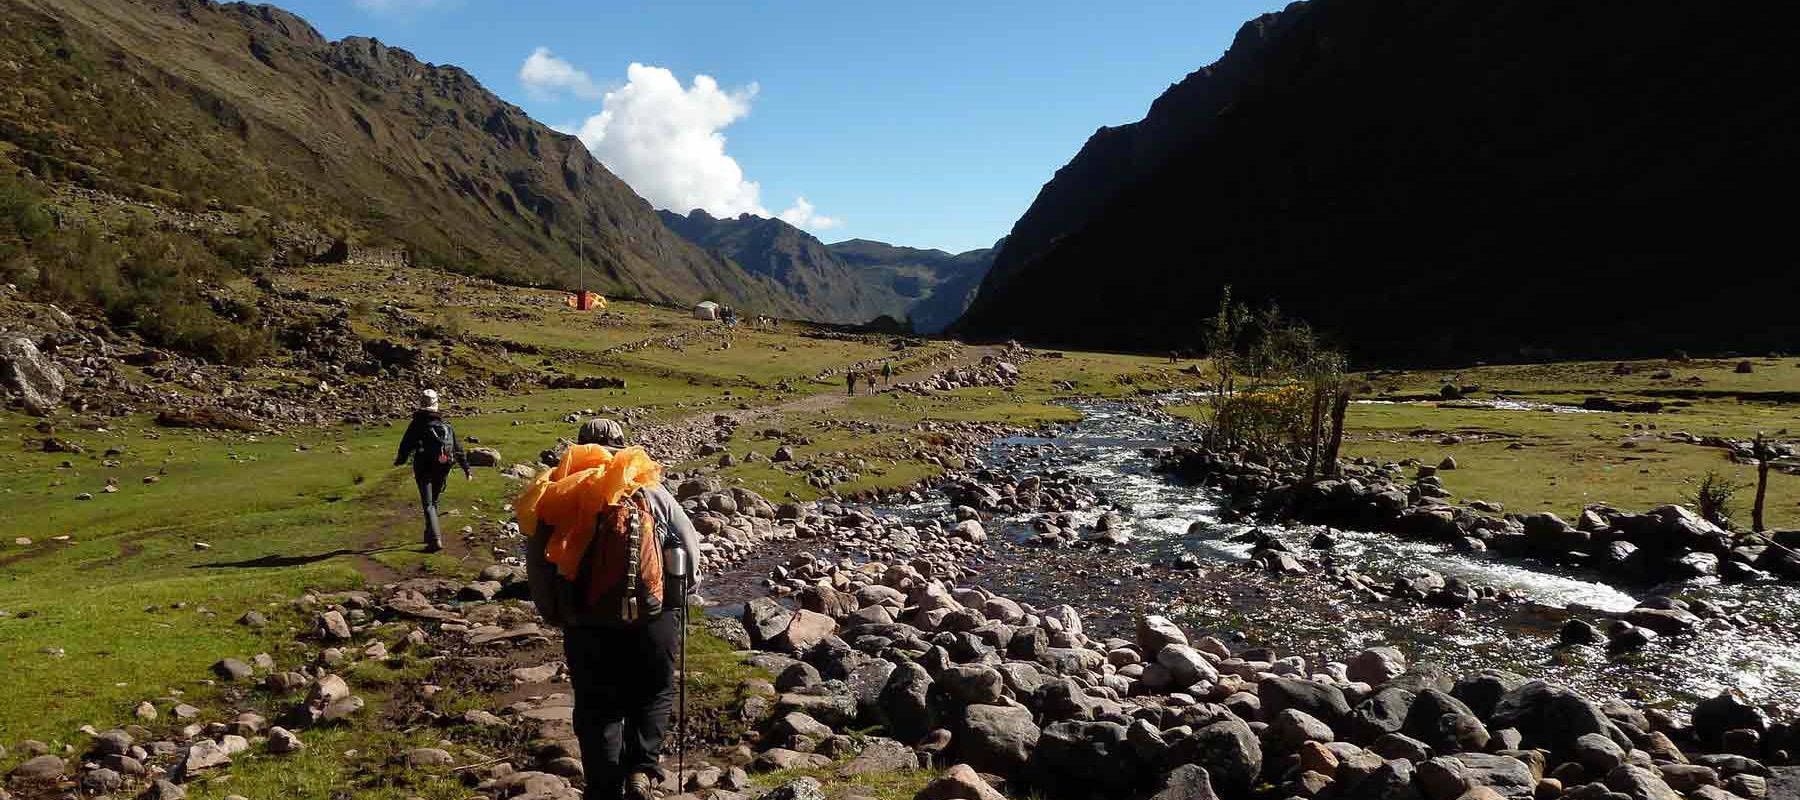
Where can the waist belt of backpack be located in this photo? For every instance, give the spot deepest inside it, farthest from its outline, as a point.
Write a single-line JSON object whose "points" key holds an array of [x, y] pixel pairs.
{"points": [[628, 610]]}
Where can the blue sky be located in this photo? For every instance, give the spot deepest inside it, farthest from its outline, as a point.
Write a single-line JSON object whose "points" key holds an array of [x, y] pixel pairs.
{"points": [[925, 124]]}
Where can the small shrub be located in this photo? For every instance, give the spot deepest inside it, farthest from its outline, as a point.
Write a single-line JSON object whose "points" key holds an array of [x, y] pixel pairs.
{"points": [[1712, 498], [1745, 368]]}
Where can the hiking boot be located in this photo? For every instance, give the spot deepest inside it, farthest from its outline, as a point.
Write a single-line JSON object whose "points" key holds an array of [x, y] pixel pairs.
{"points": [[637, 787]]}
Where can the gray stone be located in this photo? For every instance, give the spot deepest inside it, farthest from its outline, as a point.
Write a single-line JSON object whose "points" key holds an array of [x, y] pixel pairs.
{"points": [[997, 739], [1292, 728], [1376, 665], [1186, 665], [1154, 632], [283, 741], [1638, 783], [1230, 753], [331, 625], [1599, 754], [39, 768], [1186, 782], [1323, 701], [30, 373], [232, 669], [202, 755], [881, 755], [905, 709], [428, 757], [960, 782]]}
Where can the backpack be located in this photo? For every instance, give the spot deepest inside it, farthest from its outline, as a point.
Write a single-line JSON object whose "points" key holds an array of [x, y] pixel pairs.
{"points": [[621, 579], [437, 444]]}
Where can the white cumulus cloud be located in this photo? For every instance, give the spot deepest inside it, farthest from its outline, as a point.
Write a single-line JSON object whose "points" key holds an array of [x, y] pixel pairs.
{"points": [[667, 141], [802, 215], [545, 76]]}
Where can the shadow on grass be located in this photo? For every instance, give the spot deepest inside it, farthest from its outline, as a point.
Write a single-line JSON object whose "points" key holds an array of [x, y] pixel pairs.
{"points": [[266, 562]]}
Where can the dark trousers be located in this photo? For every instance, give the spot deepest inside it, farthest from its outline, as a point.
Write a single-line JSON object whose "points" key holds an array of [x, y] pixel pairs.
{"points": [[431, 480], [624, 692]]}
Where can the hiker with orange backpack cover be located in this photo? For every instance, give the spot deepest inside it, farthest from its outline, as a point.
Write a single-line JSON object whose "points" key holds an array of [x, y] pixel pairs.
{"points": [[603, 566]]}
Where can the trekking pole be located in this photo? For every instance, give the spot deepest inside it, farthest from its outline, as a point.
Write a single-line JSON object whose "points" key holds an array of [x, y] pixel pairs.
{"points": [[682, 729]]}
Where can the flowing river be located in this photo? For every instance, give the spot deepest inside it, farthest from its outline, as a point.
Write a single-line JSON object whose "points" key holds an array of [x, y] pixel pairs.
{"points": [[1311, 616]]}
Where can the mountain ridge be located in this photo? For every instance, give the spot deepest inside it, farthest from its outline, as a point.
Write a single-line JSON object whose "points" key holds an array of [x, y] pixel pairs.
{"points": [[1435, 183], [194, 105], [926, 286]]}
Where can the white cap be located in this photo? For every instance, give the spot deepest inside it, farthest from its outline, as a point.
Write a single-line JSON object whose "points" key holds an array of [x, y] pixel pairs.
{"points": [[428, 400]]}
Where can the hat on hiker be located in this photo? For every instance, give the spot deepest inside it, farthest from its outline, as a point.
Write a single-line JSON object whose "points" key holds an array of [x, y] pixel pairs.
{"points": [[601, 431], [428, 400]]}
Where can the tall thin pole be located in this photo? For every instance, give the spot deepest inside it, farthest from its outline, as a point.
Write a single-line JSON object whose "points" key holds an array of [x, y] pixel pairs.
{"points": [[581, 240]]}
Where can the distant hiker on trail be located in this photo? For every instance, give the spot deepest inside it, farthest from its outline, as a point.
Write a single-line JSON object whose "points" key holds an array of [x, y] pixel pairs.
{"points": [[887, 373], [620, 607], [850, 381], [1174, 356], [432, 445]]}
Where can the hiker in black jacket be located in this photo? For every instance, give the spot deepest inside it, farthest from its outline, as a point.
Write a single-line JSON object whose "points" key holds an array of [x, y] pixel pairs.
{"points": [[433, 447]]}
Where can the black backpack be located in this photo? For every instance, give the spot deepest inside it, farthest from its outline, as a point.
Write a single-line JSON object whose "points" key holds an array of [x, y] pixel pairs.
{"points": [[437, 444]]}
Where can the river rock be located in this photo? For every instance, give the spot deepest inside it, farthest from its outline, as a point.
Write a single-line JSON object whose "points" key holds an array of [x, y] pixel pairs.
{"points": [[997, 739], [969, 530], [1376, 665], [1599, 754], [1577, 631], [1078, 759], [906, 711], [764, 619], [1154, 632], [1186, 782], [1186, 665], [959, 782], [1292, 728], [1504, 774], [1725, 711], [1393, 780], [1320, 700], [1639, 783], [972, 684], [1228, 750]]}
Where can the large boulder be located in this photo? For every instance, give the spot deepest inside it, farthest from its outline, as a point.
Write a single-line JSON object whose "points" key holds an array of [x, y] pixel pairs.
{"points": [[1482, 690], [1639, 783], [1552, 717], [1186, 782], [997, 739], [1186, 665], [1292, 728], [765, 619], [1228, 750], [972, 684], [1377, 665], [33, 376], [960, 782], [1321, 700], [1075, 759], [1726, 711], [906, 708], [1154, 632], [804, 631]]}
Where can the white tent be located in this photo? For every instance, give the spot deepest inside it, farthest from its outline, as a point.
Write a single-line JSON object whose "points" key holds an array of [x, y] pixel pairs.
{"points": [[706, 309]]}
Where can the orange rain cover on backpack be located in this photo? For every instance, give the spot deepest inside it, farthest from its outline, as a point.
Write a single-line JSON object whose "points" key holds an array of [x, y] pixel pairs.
{"points": [[569, 497]]}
